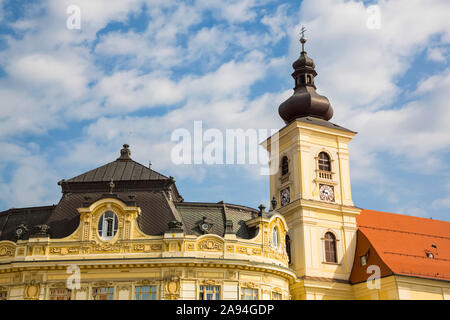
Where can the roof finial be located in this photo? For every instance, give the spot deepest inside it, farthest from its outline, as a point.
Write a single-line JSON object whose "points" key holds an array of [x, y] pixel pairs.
{"points": [[125, 153], [303, 39]]}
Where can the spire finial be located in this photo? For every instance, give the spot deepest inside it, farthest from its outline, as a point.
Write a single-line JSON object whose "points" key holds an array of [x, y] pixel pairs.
{"points": [[303, 39]]}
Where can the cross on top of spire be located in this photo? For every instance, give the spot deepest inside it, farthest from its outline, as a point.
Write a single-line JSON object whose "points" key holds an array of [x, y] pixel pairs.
{"points": [[303, 39]]}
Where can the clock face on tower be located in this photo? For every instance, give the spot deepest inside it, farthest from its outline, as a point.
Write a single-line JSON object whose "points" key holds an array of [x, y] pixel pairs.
{"points": [[285, 197], [326, 192]]}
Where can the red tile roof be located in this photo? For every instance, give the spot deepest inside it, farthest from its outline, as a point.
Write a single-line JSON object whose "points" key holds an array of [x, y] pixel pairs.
{"points": [[400, 244]]}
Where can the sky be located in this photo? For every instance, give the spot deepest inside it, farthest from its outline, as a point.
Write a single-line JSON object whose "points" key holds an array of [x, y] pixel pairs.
{"points": [[137, 70]]}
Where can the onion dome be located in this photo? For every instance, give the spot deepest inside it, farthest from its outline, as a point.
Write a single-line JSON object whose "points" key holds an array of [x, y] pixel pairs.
{"points": [[305, 101]]}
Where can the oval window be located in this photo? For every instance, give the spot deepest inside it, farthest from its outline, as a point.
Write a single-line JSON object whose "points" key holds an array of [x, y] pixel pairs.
{"points": [[107, 225]]}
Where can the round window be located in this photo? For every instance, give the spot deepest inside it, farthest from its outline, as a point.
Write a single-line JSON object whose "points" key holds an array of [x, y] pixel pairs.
{"points": [[107, 225]]}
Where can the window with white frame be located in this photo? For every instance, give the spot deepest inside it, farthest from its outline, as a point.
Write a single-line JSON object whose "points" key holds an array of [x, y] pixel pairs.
{"points": [[207, 292], [249, 294], [145, 292], [107, 225], [104, 293], [60, 294]]}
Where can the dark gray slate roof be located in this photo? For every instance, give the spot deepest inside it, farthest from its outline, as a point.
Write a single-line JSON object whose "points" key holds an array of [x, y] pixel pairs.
{"points": [[119, 171], [192, 214], [12, 218], [123, 169], [135, 185], [154, 218], [323, 123]]}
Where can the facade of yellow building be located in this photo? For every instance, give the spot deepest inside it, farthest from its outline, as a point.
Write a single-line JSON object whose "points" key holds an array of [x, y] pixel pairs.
{"points": [[122, 231]]}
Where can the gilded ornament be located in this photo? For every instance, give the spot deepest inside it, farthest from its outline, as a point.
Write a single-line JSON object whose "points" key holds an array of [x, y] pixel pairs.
{"points": [[210, 245], [7, 251], [32, 291]]}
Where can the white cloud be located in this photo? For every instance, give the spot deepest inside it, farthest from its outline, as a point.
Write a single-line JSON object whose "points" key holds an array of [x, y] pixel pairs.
{"points": [[358, 67], [32, 181], [442, 203], [55, 77], [279, 23], [436, 54], [234, 11]]}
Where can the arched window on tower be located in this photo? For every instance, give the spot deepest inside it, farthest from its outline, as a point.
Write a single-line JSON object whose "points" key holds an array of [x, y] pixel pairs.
{"points": [[324, 162], [330, 247], [284, 165], [308, 79]]}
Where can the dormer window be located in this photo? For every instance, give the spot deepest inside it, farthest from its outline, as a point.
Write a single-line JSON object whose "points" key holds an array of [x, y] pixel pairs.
{"points": [[364, 258], [107, 225], [284, 165]]}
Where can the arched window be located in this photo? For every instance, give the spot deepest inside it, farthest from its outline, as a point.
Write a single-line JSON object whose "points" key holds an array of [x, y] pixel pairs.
{"points": [[275, 237], [107, 225], [324, 162], [284, 165], [330, 247]]}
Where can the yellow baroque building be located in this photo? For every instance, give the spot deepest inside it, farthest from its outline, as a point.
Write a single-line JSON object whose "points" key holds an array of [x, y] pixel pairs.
{"points": [[123, 231]]}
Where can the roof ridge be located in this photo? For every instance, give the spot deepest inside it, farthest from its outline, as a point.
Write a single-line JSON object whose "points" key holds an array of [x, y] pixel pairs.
{"points": [[402, 231]]}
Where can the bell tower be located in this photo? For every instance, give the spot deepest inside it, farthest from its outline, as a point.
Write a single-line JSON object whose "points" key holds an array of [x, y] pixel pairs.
{"points": [[311, 188]]}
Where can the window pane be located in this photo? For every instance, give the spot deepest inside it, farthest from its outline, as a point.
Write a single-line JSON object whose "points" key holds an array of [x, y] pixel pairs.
{"points": [[100, 226], [209, 292]]}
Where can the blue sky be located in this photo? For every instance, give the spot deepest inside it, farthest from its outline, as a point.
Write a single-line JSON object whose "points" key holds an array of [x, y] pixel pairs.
{"points": [[139, 69]]}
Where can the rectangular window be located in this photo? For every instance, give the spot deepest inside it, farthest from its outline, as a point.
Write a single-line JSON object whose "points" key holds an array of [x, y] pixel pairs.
{"points": [[276, 296], [3, 295], [209, 293], [249, 294], [103, 293], [60, 294], [145, 292]]}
